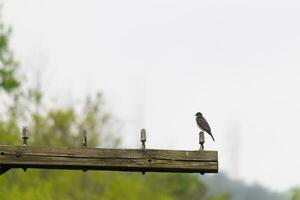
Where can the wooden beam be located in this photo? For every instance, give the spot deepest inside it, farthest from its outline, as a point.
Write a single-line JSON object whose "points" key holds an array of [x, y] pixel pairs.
{"points": [[148, 160]]}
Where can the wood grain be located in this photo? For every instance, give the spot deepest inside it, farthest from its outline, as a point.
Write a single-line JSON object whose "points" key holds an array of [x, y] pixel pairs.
{"points": [[149, 160]]}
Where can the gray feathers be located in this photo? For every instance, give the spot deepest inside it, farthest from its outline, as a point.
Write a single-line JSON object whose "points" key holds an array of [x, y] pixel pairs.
{"points": [[203, 124]]}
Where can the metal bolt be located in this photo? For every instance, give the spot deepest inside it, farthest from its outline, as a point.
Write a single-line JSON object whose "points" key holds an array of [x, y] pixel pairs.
{"points": [[18, 154], [201, 140], [143, 138], [25, 135], [84, 140]]}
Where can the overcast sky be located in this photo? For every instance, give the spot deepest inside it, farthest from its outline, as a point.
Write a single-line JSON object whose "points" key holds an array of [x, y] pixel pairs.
{"points": [[159, 62]]}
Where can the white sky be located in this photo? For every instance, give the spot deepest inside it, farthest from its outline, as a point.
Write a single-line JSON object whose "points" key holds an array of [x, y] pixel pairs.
{"points": [[159, 62]]}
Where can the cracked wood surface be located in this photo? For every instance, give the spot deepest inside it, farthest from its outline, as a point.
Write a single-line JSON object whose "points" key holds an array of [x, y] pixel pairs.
{"points": [[148, 160]]}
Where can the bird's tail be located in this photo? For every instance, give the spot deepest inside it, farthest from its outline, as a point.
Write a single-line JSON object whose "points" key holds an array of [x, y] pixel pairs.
{"points": [[212, 137]]}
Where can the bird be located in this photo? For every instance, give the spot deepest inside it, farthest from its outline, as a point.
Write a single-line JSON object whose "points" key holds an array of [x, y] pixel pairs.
{"points": [[203, 124]]}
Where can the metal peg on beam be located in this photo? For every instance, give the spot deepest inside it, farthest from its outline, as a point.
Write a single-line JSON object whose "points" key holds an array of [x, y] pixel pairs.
{"points": [[84, 139], [84, 142], [143, 140], [25, 135], [201, 140]]}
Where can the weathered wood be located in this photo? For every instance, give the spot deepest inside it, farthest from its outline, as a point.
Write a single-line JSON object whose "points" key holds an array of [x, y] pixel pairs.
{"points": [[150, 160]]}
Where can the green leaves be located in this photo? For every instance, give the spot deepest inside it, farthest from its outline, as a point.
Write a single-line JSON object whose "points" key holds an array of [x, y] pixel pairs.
{"points": [[7, 79], [223, 196], [295, 193], [8, 64]]}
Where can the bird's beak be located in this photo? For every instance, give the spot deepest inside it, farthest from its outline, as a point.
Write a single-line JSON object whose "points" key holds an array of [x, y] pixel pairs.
{"points": [[195, 114]]}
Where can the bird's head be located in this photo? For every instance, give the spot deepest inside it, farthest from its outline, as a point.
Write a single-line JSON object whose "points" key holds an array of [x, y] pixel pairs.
{"points": [[198, 114]]}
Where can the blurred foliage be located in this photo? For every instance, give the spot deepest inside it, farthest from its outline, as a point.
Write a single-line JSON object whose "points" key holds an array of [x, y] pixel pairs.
{"points": [[223, 196], [295, 192], [8, 64], [237, 189]]}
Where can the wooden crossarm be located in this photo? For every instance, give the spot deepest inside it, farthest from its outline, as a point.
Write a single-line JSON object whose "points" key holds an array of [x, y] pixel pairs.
{"points": [[141, 160]]}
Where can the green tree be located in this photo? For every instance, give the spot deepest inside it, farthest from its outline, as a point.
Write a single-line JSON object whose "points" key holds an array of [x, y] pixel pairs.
{"points": [[178, 186], [295, 193], [223, 196], [8, 64]]}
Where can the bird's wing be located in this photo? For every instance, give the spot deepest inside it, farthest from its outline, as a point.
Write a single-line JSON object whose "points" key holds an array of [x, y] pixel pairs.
{"points": [[203, 124]]}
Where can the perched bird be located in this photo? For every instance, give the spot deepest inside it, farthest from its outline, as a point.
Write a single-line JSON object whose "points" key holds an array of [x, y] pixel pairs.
{"points": [[202, 124]]}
